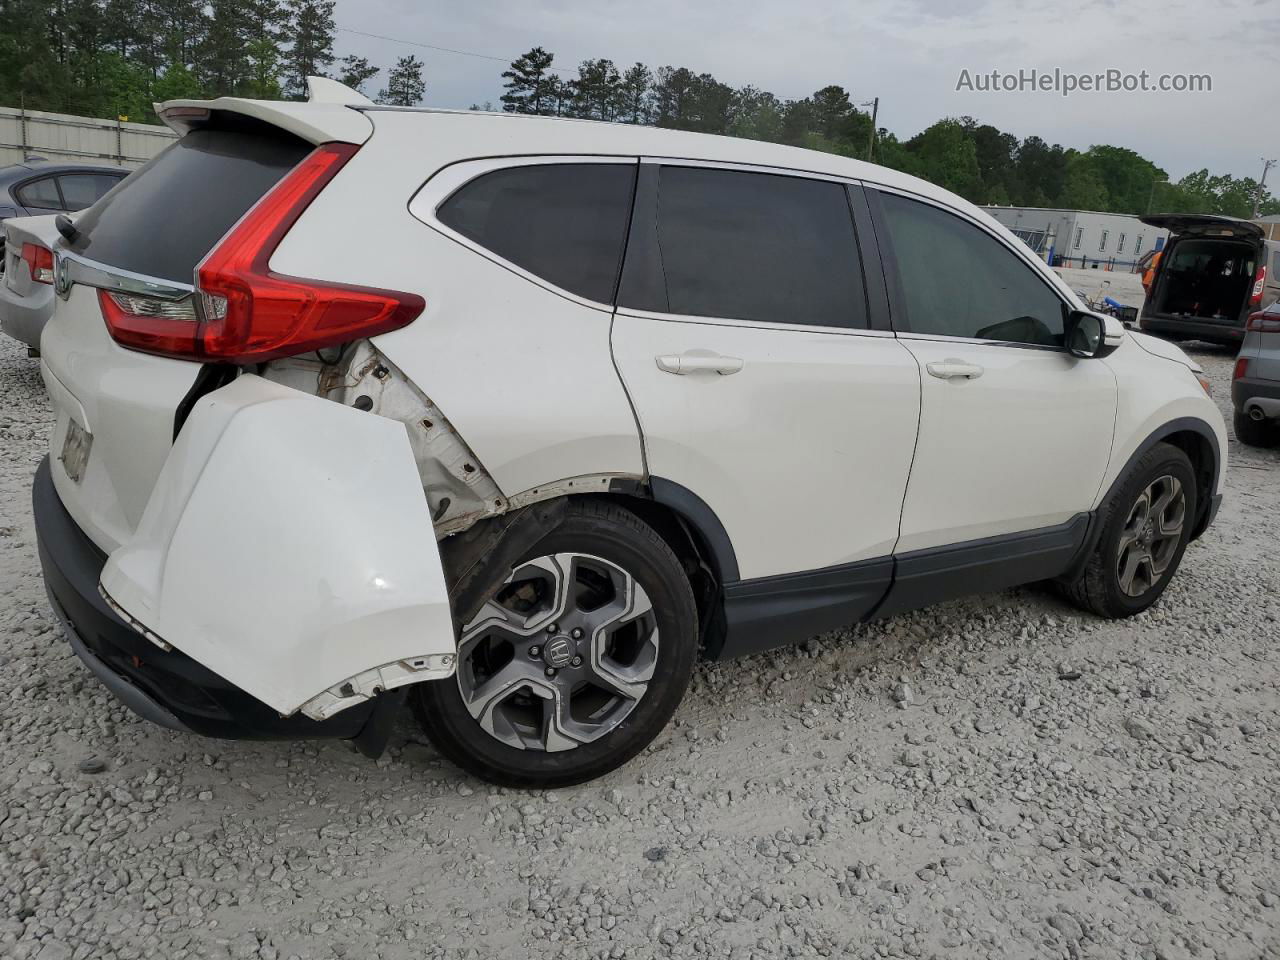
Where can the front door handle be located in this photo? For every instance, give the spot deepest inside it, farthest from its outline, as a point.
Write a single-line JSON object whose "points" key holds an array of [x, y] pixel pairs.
{"points": [[951, 369], [683, 363]]}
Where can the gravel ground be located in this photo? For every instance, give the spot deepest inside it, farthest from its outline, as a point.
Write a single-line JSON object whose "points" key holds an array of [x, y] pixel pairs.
{"points": [[1050, 785]]}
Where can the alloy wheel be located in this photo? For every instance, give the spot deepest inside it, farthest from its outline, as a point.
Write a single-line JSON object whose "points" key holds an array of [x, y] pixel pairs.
{"points": [[1150, 536], [560, 655]]}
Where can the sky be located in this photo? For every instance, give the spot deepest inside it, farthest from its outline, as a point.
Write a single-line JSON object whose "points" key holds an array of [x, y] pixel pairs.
{"points": [[909, 53]]}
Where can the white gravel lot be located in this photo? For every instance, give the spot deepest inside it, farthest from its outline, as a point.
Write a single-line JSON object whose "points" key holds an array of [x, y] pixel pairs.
{"points": [[1056, 786]]}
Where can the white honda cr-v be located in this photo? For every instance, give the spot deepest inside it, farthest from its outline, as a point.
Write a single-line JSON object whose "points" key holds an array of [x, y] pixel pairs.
{"points": [[514, 418]]}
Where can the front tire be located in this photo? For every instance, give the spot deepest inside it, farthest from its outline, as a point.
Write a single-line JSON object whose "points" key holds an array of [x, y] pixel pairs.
{"points": [[1146, 525], [575, 662]]}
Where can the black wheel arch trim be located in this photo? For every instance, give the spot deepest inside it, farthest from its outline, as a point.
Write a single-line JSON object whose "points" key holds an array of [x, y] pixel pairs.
{"points": [[698, 513], [1206, 499]]}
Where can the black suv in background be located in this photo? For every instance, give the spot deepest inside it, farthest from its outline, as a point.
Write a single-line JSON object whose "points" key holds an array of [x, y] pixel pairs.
{"points": [[1213, 274]]}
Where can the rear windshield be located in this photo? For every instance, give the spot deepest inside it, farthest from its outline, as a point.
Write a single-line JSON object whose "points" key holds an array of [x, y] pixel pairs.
{"points": [[162, 220]]}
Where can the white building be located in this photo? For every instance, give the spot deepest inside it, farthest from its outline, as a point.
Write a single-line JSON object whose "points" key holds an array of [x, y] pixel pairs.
{"points": [[1082, 238]]}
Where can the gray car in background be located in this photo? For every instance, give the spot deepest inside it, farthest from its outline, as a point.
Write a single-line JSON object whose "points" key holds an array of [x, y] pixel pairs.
{"points": [[32, 193], [1255, 382]]}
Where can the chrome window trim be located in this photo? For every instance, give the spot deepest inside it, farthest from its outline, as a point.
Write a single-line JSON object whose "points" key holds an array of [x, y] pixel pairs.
{"points": [[73, 268], [979, 342], [751, 324], [448, 180], [749, 168]]}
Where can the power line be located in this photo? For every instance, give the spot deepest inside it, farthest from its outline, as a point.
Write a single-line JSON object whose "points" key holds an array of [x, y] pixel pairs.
{"points": [[469, 53], [432, 46]]}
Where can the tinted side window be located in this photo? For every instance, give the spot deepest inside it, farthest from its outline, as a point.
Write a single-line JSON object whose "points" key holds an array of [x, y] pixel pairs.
{"points": [[565, 223], [166, 216], [959, 281], [757, 246], [81, 190], [41, 193]]}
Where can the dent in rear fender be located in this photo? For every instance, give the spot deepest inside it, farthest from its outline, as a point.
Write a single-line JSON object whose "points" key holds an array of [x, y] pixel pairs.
{"points": [[287, 547]]}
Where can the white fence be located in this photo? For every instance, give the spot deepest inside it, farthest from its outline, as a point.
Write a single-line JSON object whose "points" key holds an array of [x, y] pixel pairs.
{"points": [[59, 136]]}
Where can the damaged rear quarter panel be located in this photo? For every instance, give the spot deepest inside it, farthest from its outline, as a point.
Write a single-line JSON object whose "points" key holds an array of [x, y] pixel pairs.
{"points": [[287, 546]]}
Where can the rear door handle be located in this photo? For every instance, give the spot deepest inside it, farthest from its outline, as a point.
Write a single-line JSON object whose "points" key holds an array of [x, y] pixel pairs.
{"points": [[951, 369], [683, 363]]}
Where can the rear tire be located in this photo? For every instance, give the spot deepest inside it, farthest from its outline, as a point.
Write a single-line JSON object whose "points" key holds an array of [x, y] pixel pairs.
{"points": [[1146, 525], [1256, 433], [575, 663]]}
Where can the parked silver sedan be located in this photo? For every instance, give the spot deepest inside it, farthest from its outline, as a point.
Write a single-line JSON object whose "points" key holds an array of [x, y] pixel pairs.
{"points": [[36, 189], [1255, 384], [26, 280]]}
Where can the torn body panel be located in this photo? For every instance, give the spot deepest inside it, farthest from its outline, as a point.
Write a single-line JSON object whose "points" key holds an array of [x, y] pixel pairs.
{"points": [[459, 490], [287, 546]]}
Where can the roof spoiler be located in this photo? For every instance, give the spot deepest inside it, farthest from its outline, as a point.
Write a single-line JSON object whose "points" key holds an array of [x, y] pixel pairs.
{"points": [[330, 114]]}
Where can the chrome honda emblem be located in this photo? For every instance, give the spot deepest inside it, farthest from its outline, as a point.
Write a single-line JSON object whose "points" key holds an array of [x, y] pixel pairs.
{"points": [[558, 652], [61, 276]]}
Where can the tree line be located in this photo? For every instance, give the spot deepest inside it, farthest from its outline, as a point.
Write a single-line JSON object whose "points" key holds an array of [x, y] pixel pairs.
{"points": [[976, 160], [108, 58]]}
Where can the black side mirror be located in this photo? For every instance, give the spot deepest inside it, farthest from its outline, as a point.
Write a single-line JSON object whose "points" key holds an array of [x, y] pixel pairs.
{"points": [[1091, 335]]}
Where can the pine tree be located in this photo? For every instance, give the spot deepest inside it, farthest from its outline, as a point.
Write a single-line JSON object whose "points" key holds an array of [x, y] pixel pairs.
{"points": [[405, 86], [311, 24], [263, 80], [531, 86], [674, 90], [595, 91], [222, 64], [634, 101], [355, 71]]}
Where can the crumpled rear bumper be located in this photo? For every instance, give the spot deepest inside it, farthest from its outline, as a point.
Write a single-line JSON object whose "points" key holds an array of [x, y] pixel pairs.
{"points": [[284, 575], [166, 687]]}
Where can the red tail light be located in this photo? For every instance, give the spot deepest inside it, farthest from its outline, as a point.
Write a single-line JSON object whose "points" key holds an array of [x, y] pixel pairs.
{"points": [[1259, 281], [1241, 368], [1263, 322], [246, 313], [39, 261]]}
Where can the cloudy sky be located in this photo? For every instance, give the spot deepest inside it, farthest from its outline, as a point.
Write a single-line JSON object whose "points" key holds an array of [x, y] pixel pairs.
{"points": [[910, 53]]}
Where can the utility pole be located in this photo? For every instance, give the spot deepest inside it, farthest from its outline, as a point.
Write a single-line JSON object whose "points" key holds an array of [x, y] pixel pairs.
{"points": [[1262, 184], [871, 141], [1152, 198]]}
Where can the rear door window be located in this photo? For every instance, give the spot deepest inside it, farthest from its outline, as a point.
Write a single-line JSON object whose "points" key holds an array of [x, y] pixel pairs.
{"points": [[40, 194], [166, 216], [758, 246], [81, 190], [565, 223]]}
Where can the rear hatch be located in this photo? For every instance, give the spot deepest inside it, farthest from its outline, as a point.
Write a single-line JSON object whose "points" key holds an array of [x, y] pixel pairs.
{"points": [[1211, 271], [120, 355], [1204, 225]]}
